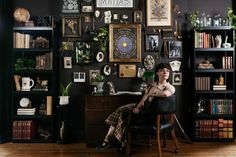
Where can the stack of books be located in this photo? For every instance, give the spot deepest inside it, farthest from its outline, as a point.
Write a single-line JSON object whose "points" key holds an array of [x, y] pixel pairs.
{"points": [[26, 111], [219, 87]]}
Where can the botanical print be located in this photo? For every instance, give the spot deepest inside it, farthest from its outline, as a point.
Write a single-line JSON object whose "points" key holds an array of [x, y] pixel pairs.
{"points": [[159, 9]]}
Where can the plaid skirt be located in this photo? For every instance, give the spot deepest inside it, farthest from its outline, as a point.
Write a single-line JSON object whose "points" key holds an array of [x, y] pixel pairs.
{"points": [[118, 118]]}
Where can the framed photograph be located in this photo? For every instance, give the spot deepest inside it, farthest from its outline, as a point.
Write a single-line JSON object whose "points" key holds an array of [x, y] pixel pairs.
{"points": [[79, 76], [67, 45], [67, 62], [152, 42], [177, 78], [167, 34], [125, 42], [175, 49], [114, 4], [70, 6], [71, 26], [127, 70], [83, 52], [87, 8], [138, 17], [158, 12], [92, 76]]}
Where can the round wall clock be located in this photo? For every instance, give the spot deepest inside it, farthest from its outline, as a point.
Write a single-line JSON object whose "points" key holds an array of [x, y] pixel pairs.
{"points": [[125, 44], [149, 62]]}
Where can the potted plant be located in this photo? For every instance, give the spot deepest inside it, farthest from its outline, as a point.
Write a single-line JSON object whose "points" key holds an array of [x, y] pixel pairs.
{"points": [[231, 17], [64, 90], [100, 79], [101, 37]]}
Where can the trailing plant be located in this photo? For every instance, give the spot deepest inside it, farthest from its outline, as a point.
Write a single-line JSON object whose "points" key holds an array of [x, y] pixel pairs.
{"points": [[101, 37], [64, 90], [231, 17]]}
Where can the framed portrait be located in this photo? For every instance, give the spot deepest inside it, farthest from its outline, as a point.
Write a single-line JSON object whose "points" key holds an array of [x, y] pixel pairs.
{"points": [[158, 12], [175, 49], [71, 26], [67, 62], [152, 42], [127, 70], [125, 42], [70, 6], [87, 8], [92, 76], [177, 78], [138, 16], [114, 4], [83, 52]]}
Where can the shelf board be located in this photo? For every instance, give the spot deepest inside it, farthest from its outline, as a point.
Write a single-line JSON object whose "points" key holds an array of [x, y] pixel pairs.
{"points": [[32, 50], [34, 92], [213, 49], [37, 116], [34, 71], [213, 70], [216, 28], [210, 116], [215, 92], [33, 28]]}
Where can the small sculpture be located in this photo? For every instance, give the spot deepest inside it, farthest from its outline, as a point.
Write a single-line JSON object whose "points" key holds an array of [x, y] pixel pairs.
{"points": [[200, 105], [111, 88], [218, 41]]}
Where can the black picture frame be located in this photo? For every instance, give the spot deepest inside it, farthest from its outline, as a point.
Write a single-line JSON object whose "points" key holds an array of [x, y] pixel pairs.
{"points": [[153, 42], [83, 52], [175, 49], [71, 26]]}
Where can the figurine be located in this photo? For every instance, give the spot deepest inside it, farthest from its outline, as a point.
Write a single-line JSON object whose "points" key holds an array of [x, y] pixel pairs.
{"points": [[111, 88], [218, 40]]}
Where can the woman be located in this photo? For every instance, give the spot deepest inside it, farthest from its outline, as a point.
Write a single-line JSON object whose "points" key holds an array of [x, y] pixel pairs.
{"points": [[160, 88]]}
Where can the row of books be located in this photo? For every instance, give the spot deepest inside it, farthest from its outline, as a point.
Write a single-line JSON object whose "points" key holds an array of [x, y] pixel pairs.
{"points": [[219, 87], [227, 62], [45, 61], [202, 83], [220, 106], [216, 128], [23, 130], [21, 40]]}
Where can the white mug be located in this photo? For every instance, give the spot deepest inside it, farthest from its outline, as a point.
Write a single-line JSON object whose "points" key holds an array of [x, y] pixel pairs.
{"points": [[27, 83]]}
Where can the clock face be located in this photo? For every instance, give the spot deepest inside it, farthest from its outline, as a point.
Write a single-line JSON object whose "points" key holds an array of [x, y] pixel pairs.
{"points": [[24, 102], [125, 44]]}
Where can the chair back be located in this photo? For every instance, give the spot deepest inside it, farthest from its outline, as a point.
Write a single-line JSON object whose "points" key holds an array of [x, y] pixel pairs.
{"points": [[164, 105]]}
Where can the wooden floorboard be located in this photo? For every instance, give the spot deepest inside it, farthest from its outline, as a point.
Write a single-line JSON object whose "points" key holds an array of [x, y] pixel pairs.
{"points": [[199, 149]]}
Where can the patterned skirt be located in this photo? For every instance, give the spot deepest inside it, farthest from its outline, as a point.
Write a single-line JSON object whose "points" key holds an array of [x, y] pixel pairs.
{"points": [[118, 118]]}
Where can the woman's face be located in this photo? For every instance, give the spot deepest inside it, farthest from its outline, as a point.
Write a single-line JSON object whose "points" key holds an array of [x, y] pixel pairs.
{"points": [[163, 74]]}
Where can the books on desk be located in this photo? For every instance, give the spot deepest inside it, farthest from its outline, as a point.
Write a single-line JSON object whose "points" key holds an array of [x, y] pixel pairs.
{"points": [[127, 92]]}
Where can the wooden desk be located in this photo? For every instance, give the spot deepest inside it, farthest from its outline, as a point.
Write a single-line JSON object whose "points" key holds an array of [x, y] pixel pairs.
{"points": [[97, 109]]}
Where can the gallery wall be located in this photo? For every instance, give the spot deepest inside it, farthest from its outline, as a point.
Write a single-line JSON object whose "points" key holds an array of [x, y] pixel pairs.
{"points": [[80, 90]]}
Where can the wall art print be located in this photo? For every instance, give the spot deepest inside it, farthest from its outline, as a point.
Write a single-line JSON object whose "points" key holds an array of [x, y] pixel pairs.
{"points": [[70, 6], [83, 52], [125, 42], [158, 12], [71, 26], [152, 42], [114, 3]]}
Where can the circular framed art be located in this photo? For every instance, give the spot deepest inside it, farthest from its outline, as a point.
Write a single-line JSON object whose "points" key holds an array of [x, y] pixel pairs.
{"points": [[100, 56], [107, 70], [149, 62]]}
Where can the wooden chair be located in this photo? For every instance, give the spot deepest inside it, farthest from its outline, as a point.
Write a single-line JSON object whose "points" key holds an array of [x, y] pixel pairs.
{"points": [[158, 119]]}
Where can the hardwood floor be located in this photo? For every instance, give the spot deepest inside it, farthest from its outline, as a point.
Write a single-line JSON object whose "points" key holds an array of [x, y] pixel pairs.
{"points": [[207, 149]]}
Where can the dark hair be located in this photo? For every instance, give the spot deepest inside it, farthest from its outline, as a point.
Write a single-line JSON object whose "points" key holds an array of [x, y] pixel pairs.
{"points": [[161, 66]]}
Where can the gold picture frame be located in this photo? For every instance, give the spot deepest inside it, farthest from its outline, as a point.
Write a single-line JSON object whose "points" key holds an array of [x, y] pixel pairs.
{"points": [[125, 42], [71, 26], [158, 12], [127, 70]]}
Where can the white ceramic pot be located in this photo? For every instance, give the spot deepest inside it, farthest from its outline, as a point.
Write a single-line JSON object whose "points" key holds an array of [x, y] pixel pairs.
{"points": [[64, 100], [100, 87]]}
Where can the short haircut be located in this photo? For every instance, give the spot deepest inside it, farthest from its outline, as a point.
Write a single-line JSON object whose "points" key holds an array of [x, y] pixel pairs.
{"points": [[162, 66]]}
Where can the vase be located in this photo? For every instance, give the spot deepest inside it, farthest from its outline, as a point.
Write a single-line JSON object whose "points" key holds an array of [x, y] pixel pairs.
{"points": [[100, 87], [64, 100]]}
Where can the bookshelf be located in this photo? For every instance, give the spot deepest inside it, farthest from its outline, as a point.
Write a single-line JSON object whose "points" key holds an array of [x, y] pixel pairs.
{"points": [[34, 82], [214, 88]]}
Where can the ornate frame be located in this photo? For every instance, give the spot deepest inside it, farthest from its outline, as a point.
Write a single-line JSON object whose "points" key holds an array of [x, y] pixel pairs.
{"points": [[71, 26], [125, 42], [161, 15]]}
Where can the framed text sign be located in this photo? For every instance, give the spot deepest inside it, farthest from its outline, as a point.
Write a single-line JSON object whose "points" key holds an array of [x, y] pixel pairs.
{"points": [[125, 43], [114, 3], [158, 13]]}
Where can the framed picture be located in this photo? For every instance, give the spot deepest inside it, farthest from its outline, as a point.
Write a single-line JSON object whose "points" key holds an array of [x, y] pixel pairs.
{"points": [[79, 76], [71, 26], [83, 52], [158, 12], [167, 34], [114, 4], [67, 45], [175, 49], [125, 42], [127, 70], [87, 8], [138, 16], [152, 42], [177, 78], [92, 76], [70, 6], [67, 62]]}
